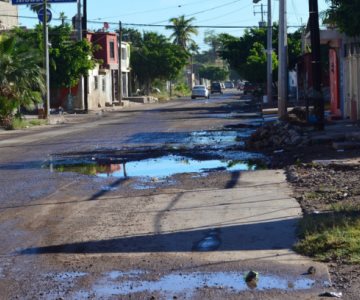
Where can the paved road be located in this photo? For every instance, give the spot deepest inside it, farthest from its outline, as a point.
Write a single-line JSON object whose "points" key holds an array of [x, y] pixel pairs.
{"points": [[77, 235]]}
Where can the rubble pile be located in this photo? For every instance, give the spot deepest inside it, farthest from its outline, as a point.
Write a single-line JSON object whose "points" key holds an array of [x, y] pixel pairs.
{"points": [[277, 136]]}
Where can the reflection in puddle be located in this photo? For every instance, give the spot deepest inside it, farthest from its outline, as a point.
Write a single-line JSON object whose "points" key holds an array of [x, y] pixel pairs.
{"points": [[187, 284], [154, 167]]}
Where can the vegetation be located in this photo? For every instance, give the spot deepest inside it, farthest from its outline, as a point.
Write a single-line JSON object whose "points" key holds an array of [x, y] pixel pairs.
{"points": [[182, 90], [247, 54], [345, 14], [156, 58], [331, 236], [21, 77], [213, 73], [69, 59], [19, 123], [182, 31]]}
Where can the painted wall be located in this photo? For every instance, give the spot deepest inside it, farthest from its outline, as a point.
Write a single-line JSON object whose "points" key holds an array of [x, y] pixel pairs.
{"points": [[7, 22], [100, 88]]}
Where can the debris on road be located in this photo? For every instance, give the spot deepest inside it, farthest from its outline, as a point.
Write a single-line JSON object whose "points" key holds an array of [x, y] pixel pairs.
{"points": [[331, 294], [276, 136]]}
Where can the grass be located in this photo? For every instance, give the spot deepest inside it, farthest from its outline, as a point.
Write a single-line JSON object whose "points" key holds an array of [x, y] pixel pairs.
{"points": [[18, 123], [331, 236]]}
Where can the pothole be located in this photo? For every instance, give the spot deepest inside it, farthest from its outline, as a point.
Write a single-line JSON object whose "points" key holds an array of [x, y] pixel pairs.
{"points": [[159, 167]]}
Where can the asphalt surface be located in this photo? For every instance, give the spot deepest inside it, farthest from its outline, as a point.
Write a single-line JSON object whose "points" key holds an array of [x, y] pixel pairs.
{"points": [[69, 233]]}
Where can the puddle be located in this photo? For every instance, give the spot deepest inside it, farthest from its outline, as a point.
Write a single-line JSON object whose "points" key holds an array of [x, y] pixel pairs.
{"points": [[108, 189], [160, 167], [114, 275], [214, 137], [186, 285], [66, 276]]}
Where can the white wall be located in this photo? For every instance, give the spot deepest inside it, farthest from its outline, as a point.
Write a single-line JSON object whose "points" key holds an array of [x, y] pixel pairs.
{"points": [[10, 21], [100, 93]]}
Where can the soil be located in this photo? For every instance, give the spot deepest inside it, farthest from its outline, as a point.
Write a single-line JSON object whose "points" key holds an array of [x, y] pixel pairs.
{"points": [[322, 177]]}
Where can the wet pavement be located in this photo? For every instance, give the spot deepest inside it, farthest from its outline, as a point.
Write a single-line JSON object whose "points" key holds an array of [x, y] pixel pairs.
{"points": [[160, 200]]}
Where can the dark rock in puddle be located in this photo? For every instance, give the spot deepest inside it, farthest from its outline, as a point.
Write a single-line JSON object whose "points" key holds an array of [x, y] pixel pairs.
{"points": [[311, 270]]}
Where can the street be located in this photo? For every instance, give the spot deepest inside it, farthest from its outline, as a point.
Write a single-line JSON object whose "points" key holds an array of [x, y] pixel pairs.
{"points": [[155, 201]]}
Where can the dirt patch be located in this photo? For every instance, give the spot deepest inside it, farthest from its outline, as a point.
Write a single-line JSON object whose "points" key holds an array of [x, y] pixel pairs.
{"points": [[322, 179]]}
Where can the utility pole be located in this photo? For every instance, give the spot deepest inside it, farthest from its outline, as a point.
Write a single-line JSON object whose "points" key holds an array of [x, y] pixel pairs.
{"points": [[84, 30], [46, 60], [120, 94], [283, 72], [79, 38], [269, 49], [317, 97], [261, 12], [269, 53]]}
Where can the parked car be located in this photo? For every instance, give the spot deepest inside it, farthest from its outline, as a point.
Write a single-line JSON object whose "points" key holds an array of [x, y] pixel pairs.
{"points": [[200, 91], [216, 88], [240, 85], [229, 85], [250, 88]]}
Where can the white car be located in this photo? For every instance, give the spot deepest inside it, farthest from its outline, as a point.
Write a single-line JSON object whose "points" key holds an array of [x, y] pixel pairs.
{"points": [[200, 91]]}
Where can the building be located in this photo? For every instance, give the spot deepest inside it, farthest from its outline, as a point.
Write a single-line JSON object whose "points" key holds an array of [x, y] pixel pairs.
{"points": [[102, 81], [9, 17], [343, 58]]}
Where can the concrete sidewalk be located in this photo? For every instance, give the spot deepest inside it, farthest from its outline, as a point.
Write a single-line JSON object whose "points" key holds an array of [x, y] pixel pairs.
{"points": [[204, 231]]}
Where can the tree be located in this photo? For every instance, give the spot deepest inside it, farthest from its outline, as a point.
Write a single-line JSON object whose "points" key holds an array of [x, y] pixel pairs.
{"points": [[255, 66], [345, 14], [62, 17], [236, 51], [37, 7], [157, 58], [69, 59], [21, 77], [182, 31], [213, 73], [213, 40]]}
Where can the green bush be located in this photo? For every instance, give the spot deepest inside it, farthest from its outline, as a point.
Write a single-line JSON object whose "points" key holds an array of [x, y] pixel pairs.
{"points": [[182, 90]]}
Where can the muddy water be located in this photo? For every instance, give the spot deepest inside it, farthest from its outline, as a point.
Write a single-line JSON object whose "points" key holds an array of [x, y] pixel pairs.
{"points": [[185, 285], [196, 152]]}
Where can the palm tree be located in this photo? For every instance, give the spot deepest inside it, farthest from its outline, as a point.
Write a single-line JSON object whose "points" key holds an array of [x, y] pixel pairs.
{"points": [[21, 77], [36, 7], [182, 31], [62, 17]]}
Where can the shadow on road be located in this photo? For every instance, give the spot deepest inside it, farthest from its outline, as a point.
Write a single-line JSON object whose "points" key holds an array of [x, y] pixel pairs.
{"points": [[246, 237]]}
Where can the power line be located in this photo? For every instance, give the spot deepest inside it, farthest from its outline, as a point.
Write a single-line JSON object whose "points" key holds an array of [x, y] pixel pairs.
{"points": [[151, 10], [205, 10], [227, 14], [155, 25]]}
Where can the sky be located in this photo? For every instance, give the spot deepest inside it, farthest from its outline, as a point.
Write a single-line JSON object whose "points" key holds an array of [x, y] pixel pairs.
{"points": [[205, 12]]}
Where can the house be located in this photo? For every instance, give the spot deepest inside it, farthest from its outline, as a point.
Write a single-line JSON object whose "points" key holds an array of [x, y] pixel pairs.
{"points": [[103, 80], [101, 84], [343, 58], [9, 15]]}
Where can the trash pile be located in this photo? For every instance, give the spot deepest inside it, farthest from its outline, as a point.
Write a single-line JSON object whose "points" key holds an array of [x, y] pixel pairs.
{"points": [[275, 136]]}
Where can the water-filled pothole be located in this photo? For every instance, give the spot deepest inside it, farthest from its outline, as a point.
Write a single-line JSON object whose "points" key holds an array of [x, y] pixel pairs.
{"points": [[159, 167], [187, 284]]}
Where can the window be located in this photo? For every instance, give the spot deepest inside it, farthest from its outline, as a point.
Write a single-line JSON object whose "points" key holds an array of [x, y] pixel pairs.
{"points": [[104, 85], [96, 82], [123, 53], [112, 49]]}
